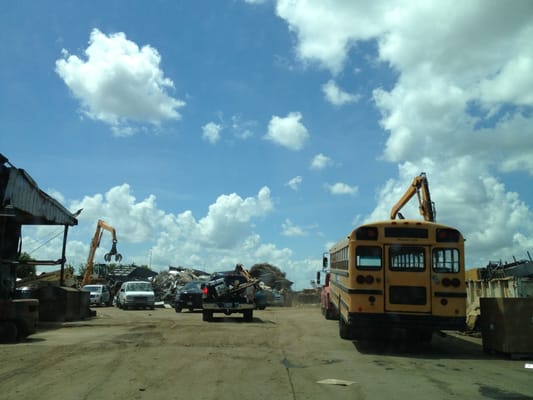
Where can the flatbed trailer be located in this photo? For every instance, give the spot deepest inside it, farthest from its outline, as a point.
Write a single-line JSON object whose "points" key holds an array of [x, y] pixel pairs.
{"points": [[229, 293]]}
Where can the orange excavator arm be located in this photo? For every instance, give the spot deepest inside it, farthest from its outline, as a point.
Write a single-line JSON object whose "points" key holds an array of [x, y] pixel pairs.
{"points": [[95, 242], [425, 205]]}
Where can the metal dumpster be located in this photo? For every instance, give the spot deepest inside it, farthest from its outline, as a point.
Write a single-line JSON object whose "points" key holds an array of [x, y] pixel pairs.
{"points": [[507, 325], [63, 304]]}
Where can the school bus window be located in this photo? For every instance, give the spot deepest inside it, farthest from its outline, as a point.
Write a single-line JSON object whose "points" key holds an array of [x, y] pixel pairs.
{"points": [[445, 260], [407, 258], [368, 257], [339, 259]]}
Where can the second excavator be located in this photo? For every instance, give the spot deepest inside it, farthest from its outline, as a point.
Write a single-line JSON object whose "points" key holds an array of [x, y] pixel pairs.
{"points": [[94, 245], [425, 205]]}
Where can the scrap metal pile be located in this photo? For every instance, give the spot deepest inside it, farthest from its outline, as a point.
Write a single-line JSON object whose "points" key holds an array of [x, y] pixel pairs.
{"points": [[517, 268], [266, 278], [497, 280], [223, 287], [271, 276], [263, 276], [166, 282]]}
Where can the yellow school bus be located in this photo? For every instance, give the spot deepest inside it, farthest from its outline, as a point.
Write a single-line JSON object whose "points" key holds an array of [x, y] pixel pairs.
{"points": [[398, 276]]}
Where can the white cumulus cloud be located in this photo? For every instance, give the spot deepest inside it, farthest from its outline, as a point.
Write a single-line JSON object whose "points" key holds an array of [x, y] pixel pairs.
{"points": [[295, 182], [340, 188], [289, 229], [336, 96], [227, 220], [460, 108], [119, 83], [216, 241], [327, 29], [211, 132], [320, 161], [288, 131]]}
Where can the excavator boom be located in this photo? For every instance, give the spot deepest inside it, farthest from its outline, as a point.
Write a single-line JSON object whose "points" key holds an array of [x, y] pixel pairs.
{"points": [[94, 245], [425, 205]]}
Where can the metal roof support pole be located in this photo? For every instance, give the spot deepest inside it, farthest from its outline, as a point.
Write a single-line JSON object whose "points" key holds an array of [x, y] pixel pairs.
{"points": [[63, 258]]}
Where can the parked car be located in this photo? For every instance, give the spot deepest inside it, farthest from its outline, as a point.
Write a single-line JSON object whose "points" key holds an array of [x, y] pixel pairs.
{"points": [[277, 299], [136, 294], [26, 292], [260, 299], [189, 296], [100, 294]]}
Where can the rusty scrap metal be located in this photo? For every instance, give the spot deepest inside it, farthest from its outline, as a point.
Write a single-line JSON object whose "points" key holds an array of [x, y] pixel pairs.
{"points": [[166, 283]]}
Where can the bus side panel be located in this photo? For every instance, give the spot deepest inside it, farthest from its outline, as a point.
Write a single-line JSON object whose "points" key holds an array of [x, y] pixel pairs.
{"points": [[334, 292], [358, 312], [339, 290], [449, 304], [339, 294]]}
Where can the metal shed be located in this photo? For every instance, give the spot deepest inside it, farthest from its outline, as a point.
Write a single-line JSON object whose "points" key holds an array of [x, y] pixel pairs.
{"points": [[22, 202], [22, 199]]}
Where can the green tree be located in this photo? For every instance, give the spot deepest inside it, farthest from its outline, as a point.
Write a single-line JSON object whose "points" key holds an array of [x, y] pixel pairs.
{"points": [[81, 269], [25, 270], [69, 269]]}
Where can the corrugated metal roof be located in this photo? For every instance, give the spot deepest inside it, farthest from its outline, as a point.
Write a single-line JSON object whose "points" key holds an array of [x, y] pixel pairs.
{"points": [[124, 272], [21, 198]]}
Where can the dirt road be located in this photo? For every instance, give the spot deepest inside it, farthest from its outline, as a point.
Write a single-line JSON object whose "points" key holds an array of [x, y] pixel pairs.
{"points": [[283, 354]]}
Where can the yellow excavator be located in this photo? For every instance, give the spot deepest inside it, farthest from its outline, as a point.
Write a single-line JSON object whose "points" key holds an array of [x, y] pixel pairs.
{"points": [[425, 205], [94, 245]]}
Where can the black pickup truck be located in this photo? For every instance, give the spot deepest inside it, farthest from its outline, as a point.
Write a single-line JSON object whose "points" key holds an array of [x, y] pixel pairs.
{"points": [[228, 293]]}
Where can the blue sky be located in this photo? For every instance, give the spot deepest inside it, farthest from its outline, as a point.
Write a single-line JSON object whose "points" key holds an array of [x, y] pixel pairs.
{"points": [[214, 132]]}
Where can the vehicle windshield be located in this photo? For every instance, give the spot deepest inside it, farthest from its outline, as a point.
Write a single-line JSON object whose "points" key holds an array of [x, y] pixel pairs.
{"points": [[93, 288], [139, 287], [192, 286], [233, 278]]}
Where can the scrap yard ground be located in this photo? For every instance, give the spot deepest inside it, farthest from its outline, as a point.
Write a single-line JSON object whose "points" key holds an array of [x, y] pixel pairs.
{"points": [[285, 353]]}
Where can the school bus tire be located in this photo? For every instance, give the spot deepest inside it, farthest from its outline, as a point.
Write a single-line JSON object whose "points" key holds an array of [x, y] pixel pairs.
{"points": [[325, 311], [207, 315], [344, 329], [330, 312], [426, 335]]}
